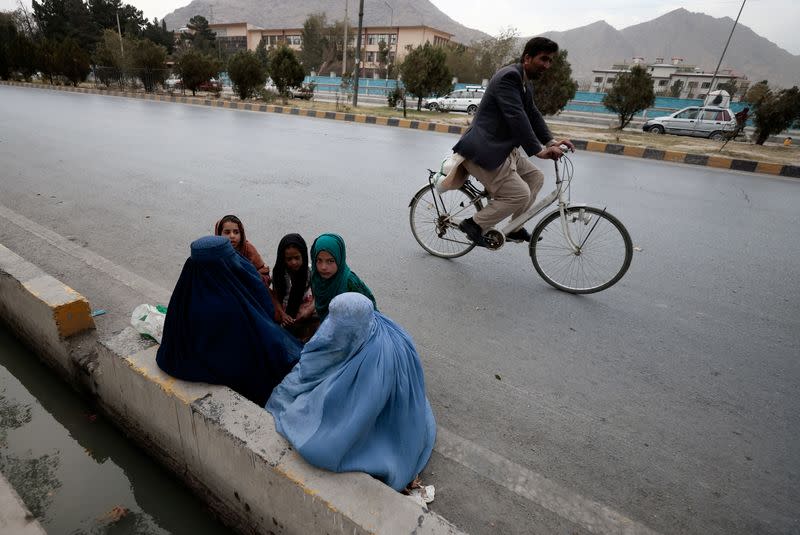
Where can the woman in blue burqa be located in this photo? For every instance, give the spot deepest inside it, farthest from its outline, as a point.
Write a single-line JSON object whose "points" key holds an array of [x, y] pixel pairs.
{"points": [[219, 327], [356, 400]]}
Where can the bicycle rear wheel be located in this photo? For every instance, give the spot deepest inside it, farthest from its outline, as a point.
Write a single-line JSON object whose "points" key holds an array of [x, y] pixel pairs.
{"points": [[432, 224], [604, 256]]}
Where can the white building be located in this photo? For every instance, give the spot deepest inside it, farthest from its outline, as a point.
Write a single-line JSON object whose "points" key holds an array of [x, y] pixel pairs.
{"points": [[694, 83]]}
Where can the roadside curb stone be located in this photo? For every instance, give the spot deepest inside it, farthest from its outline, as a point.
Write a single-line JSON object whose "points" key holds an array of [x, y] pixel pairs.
{"points": [[719, 162]]}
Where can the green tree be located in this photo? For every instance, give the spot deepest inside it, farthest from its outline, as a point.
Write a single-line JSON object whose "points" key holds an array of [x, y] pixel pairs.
{"points": [[676, 88], [246, 73], [425, 72], [46, 58], [555, 88], [285, 69], [62, 19], [202, 37], [757, 93], [8, 35], [72, 61], [495, 52], [314, 42], [147, 58], [631, 92], [109, 63], [263, 54], [157, 32], [196, 68], [104, 14], [463, 63], [775, 112], [383, 57], [23, 55]]}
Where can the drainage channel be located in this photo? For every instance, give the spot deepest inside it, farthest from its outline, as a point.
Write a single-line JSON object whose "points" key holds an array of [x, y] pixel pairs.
{"points": [[74, 470]]}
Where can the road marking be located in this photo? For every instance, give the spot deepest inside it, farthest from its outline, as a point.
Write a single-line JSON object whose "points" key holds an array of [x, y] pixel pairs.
{"points": [[152, 291], [593, 516]]}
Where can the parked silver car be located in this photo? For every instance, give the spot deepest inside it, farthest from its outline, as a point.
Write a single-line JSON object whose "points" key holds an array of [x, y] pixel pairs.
{"points": [[699, 121], [461, 100]]}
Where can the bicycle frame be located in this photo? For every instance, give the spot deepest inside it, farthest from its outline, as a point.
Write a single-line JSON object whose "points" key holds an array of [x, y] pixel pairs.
{"points": [[557, 194]]}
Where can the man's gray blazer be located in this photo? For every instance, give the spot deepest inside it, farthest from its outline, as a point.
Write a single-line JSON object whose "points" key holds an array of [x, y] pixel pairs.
{"points": [[507, 118]]}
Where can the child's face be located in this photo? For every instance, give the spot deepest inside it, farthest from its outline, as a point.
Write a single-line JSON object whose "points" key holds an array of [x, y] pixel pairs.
{"points": [[231, 231], [293, 258], [326, 265]]}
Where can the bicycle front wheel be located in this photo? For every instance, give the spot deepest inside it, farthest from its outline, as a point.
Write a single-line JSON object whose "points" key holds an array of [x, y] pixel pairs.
{"points": [[604, 254], [434, 221]]}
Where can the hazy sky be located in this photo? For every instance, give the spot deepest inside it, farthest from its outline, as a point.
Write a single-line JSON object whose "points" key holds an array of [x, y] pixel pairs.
{"points": [[774, 19]]}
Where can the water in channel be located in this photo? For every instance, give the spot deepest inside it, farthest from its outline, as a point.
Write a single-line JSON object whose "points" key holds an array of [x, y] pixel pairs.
{"points": [[75, 471]]}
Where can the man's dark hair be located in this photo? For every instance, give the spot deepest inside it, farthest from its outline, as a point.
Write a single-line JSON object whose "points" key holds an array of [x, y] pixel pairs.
{"points": [[539, 44]]}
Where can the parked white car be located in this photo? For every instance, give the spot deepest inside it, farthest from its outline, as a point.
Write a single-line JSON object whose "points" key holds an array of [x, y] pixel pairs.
{"points": [[461, 100], [699, 121]]}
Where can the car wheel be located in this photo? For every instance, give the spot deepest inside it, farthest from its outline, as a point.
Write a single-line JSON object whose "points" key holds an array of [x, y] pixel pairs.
{"points": [[471, 109], [716, 136], [433, 106], [656, 129]]}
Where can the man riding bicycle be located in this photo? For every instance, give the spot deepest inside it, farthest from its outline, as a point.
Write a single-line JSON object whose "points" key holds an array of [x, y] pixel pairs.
{"points": [[507, 120]]}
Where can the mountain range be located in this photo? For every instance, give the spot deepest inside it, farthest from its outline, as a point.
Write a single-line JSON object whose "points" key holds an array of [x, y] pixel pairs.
{"points": [[695, 37]]}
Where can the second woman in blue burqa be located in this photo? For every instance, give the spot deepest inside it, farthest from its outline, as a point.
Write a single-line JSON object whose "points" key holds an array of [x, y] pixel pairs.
{"points": [[356, 400]]}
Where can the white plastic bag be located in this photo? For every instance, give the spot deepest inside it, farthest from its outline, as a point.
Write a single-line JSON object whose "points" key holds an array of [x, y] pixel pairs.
{"points": [[148, 320]]}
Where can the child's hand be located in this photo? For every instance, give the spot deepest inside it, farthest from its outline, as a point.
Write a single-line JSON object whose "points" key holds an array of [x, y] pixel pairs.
{"points": [[287, 320]]}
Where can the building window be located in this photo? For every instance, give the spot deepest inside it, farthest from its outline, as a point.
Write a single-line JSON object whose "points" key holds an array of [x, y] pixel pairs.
{"points": [[233, 44], [294, 40], [392, 39], [370, 57], [662, 83], [705, 85], [598, 79], [610, 80]]}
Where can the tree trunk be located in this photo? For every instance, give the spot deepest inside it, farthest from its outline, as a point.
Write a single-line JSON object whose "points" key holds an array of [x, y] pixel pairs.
{"points": [[761, 137]]}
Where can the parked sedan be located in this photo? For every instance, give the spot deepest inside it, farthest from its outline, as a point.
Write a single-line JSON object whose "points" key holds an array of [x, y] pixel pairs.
{"points": [[699, 121]]}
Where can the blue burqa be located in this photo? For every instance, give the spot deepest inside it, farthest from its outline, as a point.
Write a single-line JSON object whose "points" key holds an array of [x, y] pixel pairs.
{"points": [[356, 401], [219, 327]]}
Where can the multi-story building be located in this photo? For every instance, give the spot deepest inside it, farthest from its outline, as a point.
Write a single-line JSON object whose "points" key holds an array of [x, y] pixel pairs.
{"points": [[694, 83], [399, 39]]}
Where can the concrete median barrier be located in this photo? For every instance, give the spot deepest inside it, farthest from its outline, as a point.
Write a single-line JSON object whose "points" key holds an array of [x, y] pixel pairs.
{"points": [[221, 445]]}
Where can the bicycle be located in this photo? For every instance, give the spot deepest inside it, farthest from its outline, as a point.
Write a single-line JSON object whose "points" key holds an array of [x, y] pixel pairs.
{"points": [[576, 248]]}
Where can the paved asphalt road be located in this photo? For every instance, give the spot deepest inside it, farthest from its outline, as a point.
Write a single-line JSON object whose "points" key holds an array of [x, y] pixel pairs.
{"points": [[671, 399]]}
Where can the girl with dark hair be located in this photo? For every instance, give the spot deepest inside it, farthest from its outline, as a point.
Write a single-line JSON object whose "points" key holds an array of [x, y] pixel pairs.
{"points": [[231, 227], [291, 286]]}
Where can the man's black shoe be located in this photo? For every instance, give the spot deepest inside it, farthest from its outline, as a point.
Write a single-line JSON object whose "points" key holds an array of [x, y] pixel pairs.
{"points": [[473, 231], [520, 235]]}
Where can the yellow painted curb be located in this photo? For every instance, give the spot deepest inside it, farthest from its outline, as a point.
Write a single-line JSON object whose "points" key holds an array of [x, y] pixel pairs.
{"points": [[769, 168], [672, 156], [636, 152], [74, 317], [719, 162], [596, 146]]}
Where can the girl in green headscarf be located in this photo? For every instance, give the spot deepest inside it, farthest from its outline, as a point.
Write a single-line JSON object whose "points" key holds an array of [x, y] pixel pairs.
{"points": [[330, 275]]}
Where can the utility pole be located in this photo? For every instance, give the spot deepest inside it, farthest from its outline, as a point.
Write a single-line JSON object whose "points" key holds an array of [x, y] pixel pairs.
{"points": [[119, 31], [344, 51], [358, 51]]}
